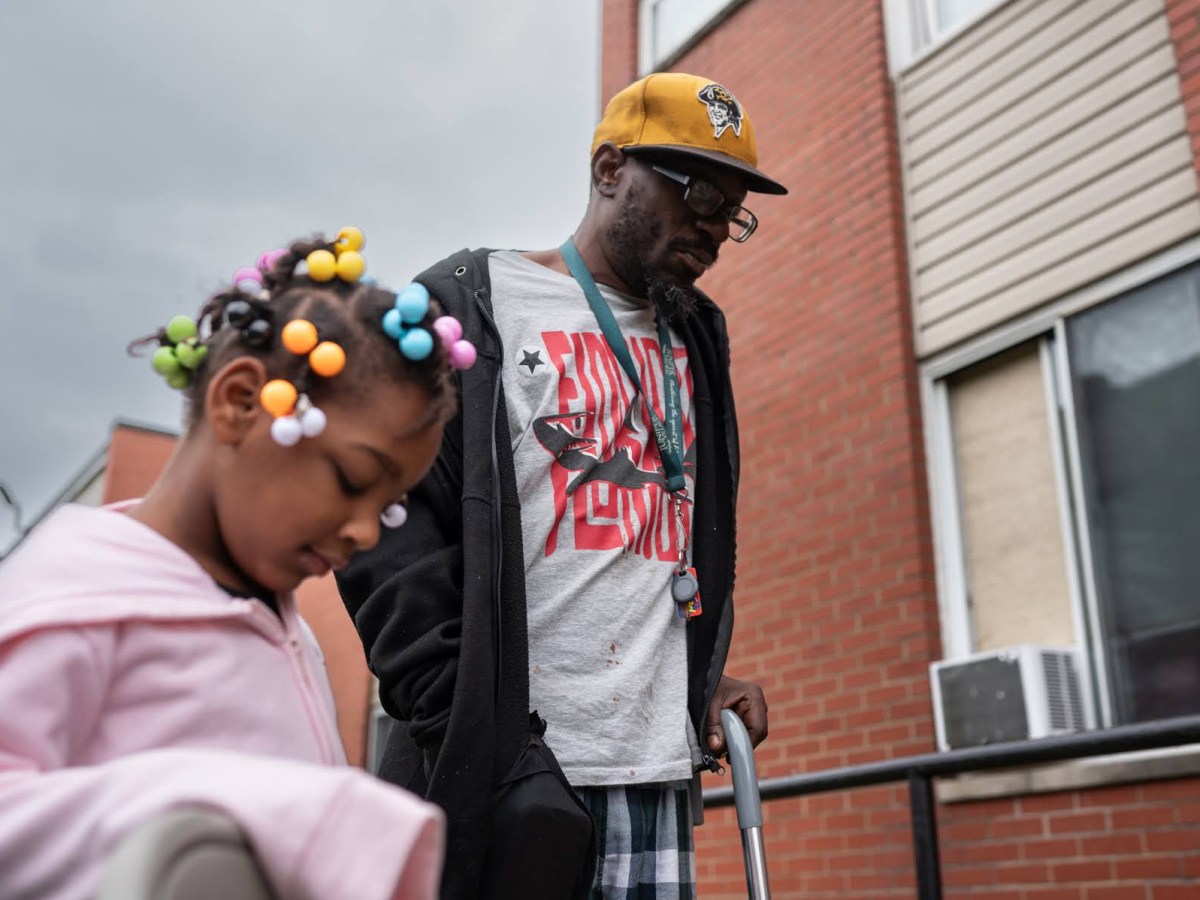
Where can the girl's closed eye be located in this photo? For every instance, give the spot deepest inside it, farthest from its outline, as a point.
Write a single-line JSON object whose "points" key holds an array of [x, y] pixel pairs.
{"points": [[348, 487]]}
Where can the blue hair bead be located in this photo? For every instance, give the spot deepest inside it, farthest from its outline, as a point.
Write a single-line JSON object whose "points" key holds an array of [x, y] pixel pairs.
{"points": [[393, 324], [413, 303], [416, 344]]}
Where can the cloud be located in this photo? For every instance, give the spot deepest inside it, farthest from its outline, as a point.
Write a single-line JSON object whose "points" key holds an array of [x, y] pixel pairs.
{"points": [[153, 148]]}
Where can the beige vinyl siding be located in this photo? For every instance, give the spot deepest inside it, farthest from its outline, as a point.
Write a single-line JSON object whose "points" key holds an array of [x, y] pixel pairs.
{"points": [[1043, 149]]}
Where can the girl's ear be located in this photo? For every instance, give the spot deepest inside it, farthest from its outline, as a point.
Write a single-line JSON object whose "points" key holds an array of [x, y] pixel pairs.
{"points": [[231, 403]]}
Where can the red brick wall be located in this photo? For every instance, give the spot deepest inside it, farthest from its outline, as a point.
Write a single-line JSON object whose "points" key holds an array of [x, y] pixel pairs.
{"points": [[1118, 843], [618, 38], [1184, 17], [836, 603], [136, 456]]}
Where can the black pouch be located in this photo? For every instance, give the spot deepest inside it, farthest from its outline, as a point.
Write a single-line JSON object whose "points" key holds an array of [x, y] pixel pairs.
{"points": [[542, 838]]}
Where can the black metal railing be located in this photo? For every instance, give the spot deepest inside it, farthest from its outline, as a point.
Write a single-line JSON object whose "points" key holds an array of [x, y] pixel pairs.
{"points": [[919, 772]]}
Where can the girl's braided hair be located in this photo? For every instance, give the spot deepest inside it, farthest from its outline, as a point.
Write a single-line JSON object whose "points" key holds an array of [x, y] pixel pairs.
{"points": [[348, 313]]}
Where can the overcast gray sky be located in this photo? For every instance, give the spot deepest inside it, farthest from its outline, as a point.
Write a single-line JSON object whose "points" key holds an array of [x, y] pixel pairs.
{"points": [[150, 147]]}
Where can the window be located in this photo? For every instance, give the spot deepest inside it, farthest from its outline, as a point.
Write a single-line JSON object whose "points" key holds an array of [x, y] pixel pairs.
{"points": [[946, 15], [1015, 571], [668, 27], [1135, 377], [1066, 480], [914, 27]]}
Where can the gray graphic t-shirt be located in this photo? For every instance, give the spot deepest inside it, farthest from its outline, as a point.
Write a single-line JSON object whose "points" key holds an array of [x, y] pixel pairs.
{"points": [[607, 651]]}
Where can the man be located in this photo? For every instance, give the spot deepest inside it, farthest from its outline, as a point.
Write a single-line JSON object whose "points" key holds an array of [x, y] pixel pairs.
{"points": [[551, 560]]}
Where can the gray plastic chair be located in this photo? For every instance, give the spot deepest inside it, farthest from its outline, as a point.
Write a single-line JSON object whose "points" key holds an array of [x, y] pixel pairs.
{"points": [[187, 854]]}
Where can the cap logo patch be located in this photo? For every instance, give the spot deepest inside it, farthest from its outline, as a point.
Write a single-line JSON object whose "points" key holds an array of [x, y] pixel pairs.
{"points": [[723, 109]]}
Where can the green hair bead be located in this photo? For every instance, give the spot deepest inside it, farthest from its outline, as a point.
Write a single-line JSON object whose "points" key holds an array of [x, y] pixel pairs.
{"points": [[190, 353], [181, 328], [165, 361], [179, 379]]}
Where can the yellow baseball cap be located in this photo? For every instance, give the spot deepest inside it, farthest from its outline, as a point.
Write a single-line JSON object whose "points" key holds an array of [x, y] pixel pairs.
{"points": [[689, 115]]}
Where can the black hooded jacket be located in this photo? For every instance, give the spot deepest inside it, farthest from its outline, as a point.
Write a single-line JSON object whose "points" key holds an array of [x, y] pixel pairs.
{"points": [[440, 602]]}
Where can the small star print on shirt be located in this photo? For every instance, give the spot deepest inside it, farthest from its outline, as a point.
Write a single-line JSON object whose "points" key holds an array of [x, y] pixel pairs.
{"points": [[532, 360]]}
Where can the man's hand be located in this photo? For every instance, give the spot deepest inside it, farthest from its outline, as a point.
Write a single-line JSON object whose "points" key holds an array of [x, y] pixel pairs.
{"points": [[746, 699]]}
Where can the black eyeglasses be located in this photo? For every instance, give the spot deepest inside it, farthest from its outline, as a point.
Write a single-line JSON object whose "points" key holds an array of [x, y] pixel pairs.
{"points": [[705, 199]]}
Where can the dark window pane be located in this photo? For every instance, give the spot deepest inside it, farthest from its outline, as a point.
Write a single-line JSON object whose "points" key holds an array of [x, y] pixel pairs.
{"points": [[1135, 369]]}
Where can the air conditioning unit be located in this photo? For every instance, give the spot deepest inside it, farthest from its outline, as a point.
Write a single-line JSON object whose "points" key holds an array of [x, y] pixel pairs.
{"points": [[1015, 694]]}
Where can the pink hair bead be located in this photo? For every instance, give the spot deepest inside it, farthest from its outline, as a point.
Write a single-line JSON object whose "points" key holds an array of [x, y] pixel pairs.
{"points": [[246, 273], [449, 329], [268, 258], [462, 355]]}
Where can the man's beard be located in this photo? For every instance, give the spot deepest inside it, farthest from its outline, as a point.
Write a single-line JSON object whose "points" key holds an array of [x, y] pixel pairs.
{"points": [[674, 301], [632, 231]]}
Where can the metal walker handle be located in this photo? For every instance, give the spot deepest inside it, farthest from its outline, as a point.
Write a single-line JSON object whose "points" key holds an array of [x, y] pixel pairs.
{"points": [[748, 803]]}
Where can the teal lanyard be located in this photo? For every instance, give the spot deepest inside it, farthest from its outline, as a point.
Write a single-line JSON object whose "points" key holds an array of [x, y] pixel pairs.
{"points": [[669, 437]]}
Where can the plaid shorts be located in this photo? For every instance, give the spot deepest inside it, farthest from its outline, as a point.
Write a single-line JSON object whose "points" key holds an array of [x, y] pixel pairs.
{"points": [[643, 840]]}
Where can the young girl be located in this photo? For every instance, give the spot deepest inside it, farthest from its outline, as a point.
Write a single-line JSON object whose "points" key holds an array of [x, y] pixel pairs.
{"points": [[151, 656]]}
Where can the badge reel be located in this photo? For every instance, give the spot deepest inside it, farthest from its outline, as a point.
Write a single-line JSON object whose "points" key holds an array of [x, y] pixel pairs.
{"points": [[684, 586], [685, 591]]}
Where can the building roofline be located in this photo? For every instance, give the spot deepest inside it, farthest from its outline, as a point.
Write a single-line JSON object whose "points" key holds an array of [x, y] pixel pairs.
{"points": [[95, 464], [142, 426]]}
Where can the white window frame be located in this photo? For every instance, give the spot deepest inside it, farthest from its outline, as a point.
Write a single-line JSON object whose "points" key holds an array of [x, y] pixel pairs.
{"points": [[950, 566], [650, 61], [1077, 537], [1048, 326], [913, 31]]}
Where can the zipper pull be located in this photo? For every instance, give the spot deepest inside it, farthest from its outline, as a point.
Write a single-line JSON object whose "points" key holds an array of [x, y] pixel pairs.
{"points": [[711, 763]]}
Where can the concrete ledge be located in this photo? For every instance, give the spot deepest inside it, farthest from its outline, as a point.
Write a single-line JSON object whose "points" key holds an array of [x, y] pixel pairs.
{"points": [[1099, 771]]}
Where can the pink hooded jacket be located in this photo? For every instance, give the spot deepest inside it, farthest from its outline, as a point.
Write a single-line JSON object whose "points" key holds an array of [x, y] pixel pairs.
{"points": [[131, 684]]}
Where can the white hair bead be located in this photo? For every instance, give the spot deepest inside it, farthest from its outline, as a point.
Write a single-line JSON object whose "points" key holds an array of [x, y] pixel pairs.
{"points": [[287, 431], [312, 422], [394, 516]]}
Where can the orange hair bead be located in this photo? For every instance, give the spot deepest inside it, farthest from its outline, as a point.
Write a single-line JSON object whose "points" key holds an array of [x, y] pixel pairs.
{"points": [[327, 359], [278, 397], [299, 336]]}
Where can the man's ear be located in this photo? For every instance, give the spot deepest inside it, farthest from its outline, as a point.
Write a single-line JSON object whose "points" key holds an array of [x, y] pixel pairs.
{"points": [[231, 403], [608, 163]]}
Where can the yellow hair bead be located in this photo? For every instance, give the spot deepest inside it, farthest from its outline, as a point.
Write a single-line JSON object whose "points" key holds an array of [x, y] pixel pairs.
{"points": [[350, 266], [349, 238], [322, 265], [327, 359], [278, 397], [299, 336]]}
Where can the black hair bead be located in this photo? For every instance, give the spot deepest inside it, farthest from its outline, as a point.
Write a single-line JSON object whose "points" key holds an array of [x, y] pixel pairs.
{"points": [[257, 333], [239, 313]]}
